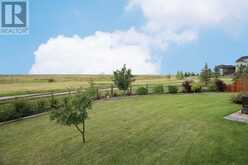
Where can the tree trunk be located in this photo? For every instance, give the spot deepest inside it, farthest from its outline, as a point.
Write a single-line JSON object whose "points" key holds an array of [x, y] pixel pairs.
{"points": [[84, 131], [81, 132]]}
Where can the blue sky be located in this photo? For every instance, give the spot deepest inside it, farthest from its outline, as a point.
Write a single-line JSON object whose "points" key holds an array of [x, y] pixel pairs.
{"points": [[49, 19]]}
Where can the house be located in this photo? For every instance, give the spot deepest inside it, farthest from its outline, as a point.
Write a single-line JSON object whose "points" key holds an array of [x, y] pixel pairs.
{"points": [[226, 70], [242, 61]]}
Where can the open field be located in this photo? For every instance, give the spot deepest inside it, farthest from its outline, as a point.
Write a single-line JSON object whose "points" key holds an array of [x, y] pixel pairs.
{"points": [[147, 130], [14, 85], [27, 84]]}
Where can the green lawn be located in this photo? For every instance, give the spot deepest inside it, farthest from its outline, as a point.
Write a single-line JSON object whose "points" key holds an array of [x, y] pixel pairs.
{"points": [[149, 130]]}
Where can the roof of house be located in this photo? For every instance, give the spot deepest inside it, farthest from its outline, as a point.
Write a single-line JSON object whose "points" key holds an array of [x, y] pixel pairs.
{"points": [[242, 59], [225, 67]]}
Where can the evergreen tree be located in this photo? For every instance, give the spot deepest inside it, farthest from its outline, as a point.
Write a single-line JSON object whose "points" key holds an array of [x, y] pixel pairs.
{"points": [[205, 74]]}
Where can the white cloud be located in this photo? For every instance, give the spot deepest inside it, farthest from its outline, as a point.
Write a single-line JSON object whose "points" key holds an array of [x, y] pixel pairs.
{"points": [[177, 21], [180, 15], [100, 53]]}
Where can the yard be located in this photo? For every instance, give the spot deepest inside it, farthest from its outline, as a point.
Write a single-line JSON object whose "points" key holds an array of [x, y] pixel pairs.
{"points": [[145, 130]]}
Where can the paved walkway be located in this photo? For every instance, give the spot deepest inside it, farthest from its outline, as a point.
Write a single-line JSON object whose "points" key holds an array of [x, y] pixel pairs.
{"points": [[238, 116]]}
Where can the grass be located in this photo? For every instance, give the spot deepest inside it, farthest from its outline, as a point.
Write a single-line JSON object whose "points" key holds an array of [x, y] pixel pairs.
{"points": [[26, 84], [147, 130]]}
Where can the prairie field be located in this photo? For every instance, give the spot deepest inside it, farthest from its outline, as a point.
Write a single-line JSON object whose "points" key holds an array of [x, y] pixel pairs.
{"points": [[27, 84], [14, 85]]}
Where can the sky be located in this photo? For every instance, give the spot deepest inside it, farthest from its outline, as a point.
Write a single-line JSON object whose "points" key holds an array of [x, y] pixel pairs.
{"points": [[151, 37]]}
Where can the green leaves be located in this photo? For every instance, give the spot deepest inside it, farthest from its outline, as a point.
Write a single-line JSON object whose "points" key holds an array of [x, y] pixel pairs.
{"points": [[123, 78], [72, 110], [205, 74]]}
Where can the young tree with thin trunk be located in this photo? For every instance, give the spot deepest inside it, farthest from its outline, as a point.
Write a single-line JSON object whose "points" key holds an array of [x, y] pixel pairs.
{"points": [[73, 111], [123, 78]]}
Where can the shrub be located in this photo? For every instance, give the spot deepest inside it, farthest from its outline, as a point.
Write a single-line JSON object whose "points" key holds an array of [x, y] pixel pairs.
{"points": [[6, 112], [237, 98], [187, 86], [51, 80], [41, 106], [142, 91], [172, 89], [159, 89], [92, 92], [220, 85], [196, 87], [23, 108], [212, 87], [16, 110], [217, 85], [53, 102]]}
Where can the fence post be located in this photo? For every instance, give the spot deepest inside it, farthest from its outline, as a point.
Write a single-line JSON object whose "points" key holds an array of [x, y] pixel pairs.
{"points": [[97, 94], [131, 89], [147, 88], [112, 90]]}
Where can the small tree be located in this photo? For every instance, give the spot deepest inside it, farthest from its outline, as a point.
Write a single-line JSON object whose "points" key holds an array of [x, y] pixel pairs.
{"points": [[216, 72], [205, 74], [180, 75], [123, 78], [73, 112]]}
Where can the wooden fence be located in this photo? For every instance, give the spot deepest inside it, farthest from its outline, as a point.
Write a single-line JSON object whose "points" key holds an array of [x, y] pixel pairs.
{"points": [[238, 86]]}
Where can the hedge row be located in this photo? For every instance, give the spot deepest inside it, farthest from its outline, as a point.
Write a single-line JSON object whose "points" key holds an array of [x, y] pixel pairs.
{"points": [[23, 108]]}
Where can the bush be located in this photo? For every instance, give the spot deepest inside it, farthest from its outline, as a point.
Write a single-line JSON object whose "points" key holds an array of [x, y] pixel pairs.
{"points": [[237, 98], [53, 102], [217, 85], [187, 86], [51, 80], [220, 85], [91, 91], [212, 87], [172, 89], [158, 89], [6, 112], [196, 87], [23, 108], [16, 110], [41, 106], [142, 91]]}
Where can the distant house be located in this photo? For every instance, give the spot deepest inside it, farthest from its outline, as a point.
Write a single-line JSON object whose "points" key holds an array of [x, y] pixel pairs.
{"points": [[226, 70], [242, 61]]}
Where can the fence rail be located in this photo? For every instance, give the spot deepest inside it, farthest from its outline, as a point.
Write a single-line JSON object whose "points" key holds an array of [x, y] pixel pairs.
{"points": [[102, 91]]}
